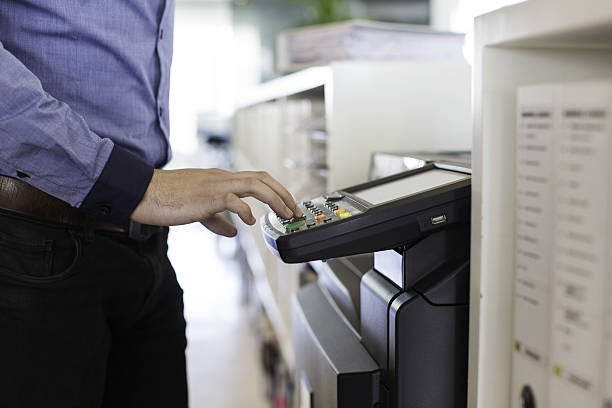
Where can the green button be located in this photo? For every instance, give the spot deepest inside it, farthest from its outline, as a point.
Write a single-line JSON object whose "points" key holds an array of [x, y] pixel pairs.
{"points": [[345, 215], [295, 225]]}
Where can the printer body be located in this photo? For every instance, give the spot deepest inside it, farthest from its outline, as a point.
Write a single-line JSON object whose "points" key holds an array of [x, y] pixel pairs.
{"points": [[391, 334], [388, 327]]}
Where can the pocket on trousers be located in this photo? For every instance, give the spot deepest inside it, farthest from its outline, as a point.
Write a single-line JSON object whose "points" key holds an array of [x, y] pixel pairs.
{"points": [[41, 260]]}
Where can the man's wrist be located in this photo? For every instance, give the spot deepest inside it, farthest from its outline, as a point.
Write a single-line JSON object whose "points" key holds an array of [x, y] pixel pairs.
{"points": [[120, 187]]}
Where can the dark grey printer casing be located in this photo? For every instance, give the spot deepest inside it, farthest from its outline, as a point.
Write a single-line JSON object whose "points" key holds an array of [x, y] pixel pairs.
{"points": [[418, 332], [408, 348]]}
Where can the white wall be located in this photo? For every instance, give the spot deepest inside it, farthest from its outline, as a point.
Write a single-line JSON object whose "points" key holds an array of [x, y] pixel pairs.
{"points": [[202, 80]]}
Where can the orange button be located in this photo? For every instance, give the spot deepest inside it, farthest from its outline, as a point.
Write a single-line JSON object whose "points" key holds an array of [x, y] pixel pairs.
{"points": [[320, 217]]}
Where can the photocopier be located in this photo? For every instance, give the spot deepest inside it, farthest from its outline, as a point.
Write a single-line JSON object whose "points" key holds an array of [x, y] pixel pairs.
{"points": [[386, 323]]}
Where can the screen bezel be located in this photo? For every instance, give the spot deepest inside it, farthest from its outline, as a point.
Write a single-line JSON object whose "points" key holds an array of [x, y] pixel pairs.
{"points": [[457, 168]]}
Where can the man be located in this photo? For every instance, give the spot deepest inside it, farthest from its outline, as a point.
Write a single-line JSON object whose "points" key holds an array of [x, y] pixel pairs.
{"points": [[90, 310]]}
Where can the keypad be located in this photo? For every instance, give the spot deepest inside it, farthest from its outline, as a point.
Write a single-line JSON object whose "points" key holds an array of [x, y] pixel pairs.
{"points": [[319, 211]]}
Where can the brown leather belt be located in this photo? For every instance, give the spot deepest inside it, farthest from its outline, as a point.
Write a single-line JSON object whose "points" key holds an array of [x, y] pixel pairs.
{"points": [[19, 197]]}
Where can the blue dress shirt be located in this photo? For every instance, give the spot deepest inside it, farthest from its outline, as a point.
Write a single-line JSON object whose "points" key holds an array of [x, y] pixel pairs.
{"points": [[84, 98]]}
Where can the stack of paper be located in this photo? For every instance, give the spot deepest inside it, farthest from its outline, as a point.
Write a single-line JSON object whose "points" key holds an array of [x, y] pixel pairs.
{"points": [[563, 308], [362, 40]]}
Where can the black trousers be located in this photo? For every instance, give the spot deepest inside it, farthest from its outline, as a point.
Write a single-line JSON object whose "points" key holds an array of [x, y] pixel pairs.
{"points": [[88, 319]]}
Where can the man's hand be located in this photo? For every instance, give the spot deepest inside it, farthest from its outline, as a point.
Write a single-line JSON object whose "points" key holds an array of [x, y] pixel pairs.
{"points": [[176, 197]]}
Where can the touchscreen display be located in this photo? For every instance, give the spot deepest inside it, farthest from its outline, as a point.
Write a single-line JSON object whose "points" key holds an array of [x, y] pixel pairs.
{"points": [[411, 185]]}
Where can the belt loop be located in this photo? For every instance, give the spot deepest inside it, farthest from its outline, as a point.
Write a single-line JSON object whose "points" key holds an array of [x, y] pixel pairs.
{"points": [[136, 232], [87, 233]]}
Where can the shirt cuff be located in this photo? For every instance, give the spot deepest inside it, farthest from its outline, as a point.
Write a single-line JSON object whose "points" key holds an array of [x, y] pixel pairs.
{"points": [[119, 188]]}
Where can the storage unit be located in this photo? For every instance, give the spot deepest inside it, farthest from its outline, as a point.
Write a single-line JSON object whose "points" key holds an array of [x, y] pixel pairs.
{"points": [[539, 41], [360, 107]]}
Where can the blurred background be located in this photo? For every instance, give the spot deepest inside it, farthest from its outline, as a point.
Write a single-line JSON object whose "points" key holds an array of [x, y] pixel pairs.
{"points": [[237, 296]]}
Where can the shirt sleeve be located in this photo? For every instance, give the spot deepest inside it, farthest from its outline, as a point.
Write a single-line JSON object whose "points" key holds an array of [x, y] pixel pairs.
{"points": [[48, 145]]}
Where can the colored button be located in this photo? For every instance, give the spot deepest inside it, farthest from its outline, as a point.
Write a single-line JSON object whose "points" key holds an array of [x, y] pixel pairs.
{"points": [[320, 217], [340, 211], [345, 215], [295, 225]]}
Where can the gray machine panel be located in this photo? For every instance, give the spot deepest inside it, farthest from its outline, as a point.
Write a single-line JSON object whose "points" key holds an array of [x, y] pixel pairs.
{"points": [[428, 352], [342, 277], [377, 293], [341, 374]]}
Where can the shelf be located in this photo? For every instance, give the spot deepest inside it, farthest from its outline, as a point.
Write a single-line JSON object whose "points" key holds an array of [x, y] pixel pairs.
{"points": [[292, 84], [266, 296], [548, 23], [269, 274]]}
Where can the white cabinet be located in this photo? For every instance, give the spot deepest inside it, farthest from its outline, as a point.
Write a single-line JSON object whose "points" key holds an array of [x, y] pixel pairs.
{"points": [[371, 106], [538, 41]]}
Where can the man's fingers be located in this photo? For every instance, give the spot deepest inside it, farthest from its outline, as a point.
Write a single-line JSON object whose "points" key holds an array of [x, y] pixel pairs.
{"points": [[219, 225], [253, 187], [232, 203], [285, 195], [277, 187]]}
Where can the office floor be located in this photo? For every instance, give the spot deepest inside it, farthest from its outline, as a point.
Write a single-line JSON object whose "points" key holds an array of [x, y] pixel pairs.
{"points": [[222, 355]]}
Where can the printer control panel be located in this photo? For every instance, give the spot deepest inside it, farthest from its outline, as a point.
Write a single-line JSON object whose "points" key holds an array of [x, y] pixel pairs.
{"points": [[372, 216], [318, 211]]}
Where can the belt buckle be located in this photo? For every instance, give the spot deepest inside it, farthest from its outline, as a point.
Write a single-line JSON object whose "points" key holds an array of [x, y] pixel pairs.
{"points": [[137, 232]]}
